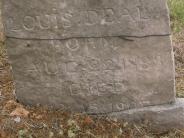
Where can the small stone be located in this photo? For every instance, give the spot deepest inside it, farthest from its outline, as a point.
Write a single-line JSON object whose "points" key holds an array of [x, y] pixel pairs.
{"points": [[17, 119]]}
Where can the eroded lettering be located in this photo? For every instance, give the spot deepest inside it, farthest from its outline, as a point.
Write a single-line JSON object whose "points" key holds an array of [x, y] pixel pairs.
{"points": [[82, 17]]}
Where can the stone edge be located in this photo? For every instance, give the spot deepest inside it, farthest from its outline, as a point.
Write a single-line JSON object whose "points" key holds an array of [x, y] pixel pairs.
{"points": [[160, 117]]}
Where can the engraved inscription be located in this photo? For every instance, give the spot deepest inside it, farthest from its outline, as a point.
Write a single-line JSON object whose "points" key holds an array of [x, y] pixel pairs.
{"points": [[86, 73], [97, 89], [65, 16], [29, 23], [96, 75], [65, 20]]}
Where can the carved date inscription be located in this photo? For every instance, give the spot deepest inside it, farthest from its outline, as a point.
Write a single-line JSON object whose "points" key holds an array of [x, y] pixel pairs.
{"points": [[93, 73]]}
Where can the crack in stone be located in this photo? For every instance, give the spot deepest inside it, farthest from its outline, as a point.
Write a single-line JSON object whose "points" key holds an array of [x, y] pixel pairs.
{"points": [[125, 37]]}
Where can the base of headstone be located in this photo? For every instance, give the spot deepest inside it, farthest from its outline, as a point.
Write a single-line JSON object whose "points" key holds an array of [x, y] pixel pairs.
{"points": [[161, 118]]}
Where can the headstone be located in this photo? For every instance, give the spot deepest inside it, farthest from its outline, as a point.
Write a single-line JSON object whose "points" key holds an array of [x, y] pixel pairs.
{"points": [[93, 56]]}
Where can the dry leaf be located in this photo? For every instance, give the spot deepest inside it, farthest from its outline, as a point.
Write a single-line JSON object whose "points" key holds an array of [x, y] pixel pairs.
{"points": [[88, 120], [20, 111]]}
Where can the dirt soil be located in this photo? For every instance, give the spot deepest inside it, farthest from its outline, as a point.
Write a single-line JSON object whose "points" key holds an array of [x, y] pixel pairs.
{"points": [[21, 121]]}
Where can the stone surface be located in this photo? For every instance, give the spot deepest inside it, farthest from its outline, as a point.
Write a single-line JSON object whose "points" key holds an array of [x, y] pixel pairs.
{"points": [[161, 118], [59, 19], [96, 75], [94, 56], [1, 24]]}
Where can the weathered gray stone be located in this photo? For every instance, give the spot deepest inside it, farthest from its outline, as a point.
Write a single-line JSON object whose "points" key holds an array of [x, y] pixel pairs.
{"points": [[96, 75], [161, 118], [109, 57], [59, 19]]}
